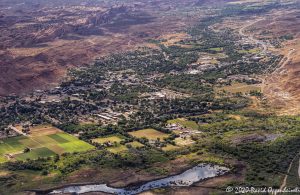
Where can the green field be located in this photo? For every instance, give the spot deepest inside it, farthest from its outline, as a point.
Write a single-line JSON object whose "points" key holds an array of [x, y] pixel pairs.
{"points": [[11, 146], [118, 149], [151, 134], [135, 144], [112, 139], [123, 148], [58, 138], [76, 146], [35, 153], [184, 123], [40, 146]]}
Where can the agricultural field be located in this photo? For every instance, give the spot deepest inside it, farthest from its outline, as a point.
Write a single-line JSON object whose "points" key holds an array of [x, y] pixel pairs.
{"points": [[43, 130], [118, 149], [239, 88], [123, 148], [112, 139], [184, 123], [183, 142], [151, 134], [35, 154], [44, 144], [135, 144], [170, 147]]}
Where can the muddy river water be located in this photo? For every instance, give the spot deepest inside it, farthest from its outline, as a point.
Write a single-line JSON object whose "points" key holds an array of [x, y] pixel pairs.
{"points": [[187, 178]]}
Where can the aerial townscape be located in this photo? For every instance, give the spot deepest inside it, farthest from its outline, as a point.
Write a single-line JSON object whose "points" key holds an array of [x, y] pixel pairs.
{"points": [[149, 97]]}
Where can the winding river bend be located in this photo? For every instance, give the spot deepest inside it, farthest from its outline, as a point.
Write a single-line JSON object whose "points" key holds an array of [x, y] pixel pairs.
{"points": [[187, 178]]}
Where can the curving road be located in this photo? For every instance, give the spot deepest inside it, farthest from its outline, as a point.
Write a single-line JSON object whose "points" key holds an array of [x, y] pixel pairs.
{"points": [[288, 171], [251, 36], [282, 64], [264, 47]]}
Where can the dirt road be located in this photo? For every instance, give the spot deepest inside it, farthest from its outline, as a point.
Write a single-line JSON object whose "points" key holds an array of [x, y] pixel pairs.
{"points": [[285, 61], [288, 171], [17, 130]]}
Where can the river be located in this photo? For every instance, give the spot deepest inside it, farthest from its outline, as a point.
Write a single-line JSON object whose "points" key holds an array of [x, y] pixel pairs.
{"points": [[187, 178]]}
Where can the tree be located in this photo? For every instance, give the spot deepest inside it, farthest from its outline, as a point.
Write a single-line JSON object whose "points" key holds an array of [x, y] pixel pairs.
{"points": [[26, 150]]}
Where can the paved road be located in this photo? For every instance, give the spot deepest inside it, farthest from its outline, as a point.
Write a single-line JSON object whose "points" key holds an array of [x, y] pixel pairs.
{"points": [[251, 36], [264, 46]]}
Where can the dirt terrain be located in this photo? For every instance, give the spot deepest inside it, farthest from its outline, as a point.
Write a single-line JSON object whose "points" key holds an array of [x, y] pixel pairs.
{"points": [[40, 40], [282, 87]]}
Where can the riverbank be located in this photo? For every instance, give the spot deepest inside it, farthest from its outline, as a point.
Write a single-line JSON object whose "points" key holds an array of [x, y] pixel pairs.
{"points": [[187, 178], [204, 186]]}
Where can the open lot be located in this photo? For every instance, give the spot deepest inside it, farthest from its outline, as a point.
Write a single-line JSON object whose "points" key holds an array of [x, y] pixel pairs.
{"points": [[151, 134], [170, 147], [43, 130], [184, 123], [239, 88], [44, 144]]}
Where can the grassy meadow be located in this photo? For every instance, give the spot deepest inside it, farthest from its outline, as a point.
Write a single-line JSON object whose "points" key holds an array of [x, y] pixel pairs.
{"points": [[151, 134], [45, 144]]}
